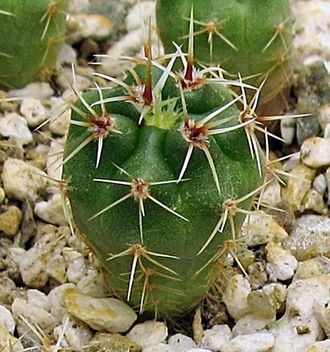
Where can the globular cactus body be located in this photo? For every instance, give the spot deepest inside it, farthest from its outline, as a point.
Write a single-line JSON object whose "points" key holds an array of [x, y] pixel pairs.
{"points": [[157, 197], [32, 33], [249, 37]]}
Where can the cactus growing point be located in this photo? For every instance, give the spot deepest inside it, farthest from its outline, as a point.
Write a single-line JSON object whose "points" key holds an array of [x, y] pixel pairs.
{"points": [[32, 33]]}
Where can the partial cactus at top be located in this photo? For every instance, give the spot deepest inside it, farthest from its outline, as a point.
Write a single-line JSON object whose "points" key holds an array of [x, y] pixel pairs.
{"points": [[161, 170], [32, 33], [249, 37]]}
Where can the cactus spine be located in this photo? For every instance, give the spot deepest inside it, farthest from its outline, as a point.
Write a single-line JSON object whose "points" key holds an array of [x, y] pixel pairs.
{"points": [[251, 37], [32, 33]]}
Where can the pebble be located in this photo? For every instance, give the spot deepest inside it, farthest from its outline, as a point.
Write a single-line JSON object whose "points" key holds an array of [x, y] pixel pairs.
{"points": [[61, 123], [320, 346], [112, 342], [327, 131], [299, 327], [2, 195], [315, 152], [44, 259], [159, 347], [320, 184], [312, 268], [307, 127], [215, 338], [33, 111], [7, 290], [56, 305], [322, 312], [73, 333], [271, 194], [93, 284], [235, 296], [51, 211], [314, 201], [327, 177], [260, 228], [108, 314], [139, 14], [54, 163], [260, 342], [10, 220], [96, 26], [281, 264], [21, 180], [299, 183], [9, 343], [310, 237], [76, 267], [78, 6], [148, 333], [37, 90], [7, 319], [65, 80], [33, 315], [324, 116], [181, 342], [288, 129], [37, 298], [67, 55], [14, 125], [311, 29], [251, 323]]}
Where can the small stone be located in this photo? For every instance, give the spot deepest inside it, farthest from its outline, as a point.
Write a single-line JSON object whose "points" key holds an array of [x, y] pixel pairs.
{"points": [[9, 343], [235, 296], [2, 195], [159, 347], [73, 333], [51, 211], [327, 131], [320, 184], [312, 268], [7, 290], [322, 312], [108, 314], [14, 125], [257, 275], [310, 237], [65, 80], [271, 194], [181, 342], [76, 267], [214, 339], [140, 13], [21, 180], [197, 349], [44, 259], [327, 177], [78, 6], [56, 305], [288, 129], [37, 90], [94, 26], [299, 183], [93, 284], [61, 123], [259, 342], [251, 323], [7, 319], [260, 228], [314, 201], [112, 342], [54, 164], [307, 127], [10, 220], [32, 314], [67, 55], [315, 152], [33, 111], [320, 346], [324, 115], [148, 333], [37, 299], [281, 263]]}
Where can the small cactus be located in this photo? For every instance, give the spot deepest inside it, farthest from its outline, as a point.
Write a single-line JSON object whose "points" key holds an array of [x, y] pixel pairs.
{"points": [[161, 170], [32, 33], [250, 37]]}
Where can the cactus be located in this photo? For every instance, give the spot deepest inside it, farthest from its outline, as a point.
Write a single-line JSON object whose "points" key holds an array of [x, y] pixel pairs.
{"points": [[161, 170], [251, 37], [32, 33]]}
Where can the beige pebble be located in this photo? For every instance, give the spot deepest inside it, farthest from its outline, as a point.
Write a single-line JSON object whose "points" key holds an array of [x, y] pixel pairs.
{"points": [[148, 333], [21, 180], [298, 184], [108, 314], [10, 220], [315, 152], [9, 343]]}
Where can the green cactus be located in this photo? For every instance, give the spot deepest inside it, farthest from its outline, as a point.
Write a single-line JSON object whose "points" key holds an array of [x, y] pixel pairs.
{"points": [[250, 37], [32, 33], [159, 177]]}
